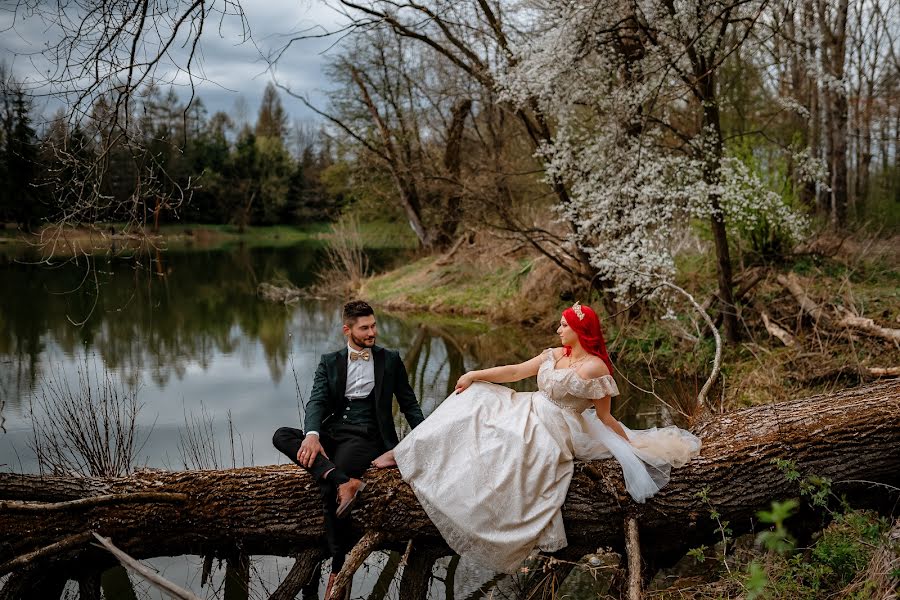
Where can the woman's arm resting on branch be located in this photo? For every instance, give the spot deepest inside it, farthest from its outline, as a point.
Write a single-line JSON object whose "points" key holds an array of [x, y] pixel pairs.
{"points": [[504, 374]]}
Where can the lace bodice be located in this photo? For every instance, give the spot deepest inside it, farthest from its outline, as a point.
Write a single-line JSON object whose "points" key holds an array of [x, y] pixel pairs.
{"points": [[565, 388]]}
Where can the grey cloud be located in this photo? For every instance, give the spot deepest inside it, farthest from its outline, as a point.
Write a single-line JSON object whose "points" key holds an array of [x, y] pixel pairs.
{"points": [[227, 68]]}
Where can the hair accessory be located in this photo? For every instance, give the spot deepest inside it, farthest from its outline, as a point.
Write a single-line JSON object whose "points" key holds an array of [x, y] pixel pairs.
{"points": [[578, 312]]}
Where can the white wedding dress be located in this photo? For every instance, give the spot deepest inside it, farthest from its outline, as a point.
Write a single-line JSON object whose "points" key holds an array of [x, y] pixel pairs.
{"points": [[491, 466]]}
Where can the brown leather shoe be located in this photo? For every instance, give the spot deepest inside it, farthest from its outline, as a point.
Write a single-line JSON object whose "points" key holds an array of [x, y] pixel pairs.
{"points": [[347, 495], [330, 586]]}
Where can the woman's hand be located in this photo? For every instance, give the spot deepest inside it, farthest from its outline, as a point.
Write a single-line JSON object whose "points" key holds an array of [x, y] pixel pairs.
{"points": [[465, 381]]}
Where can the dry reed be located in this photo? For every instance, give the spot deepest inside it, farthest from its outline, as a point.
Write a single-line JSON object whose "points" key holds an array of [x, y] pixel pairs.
{"points": [[201, 449], [347, 260], [87, 428]]}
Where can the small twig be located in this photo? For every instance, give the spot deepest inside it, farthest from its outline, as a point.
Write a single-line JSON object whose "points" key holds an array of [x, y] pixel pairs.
{"points": [[73, 541], [92, 501], [873, 483], [405, 558], [152, 577]]}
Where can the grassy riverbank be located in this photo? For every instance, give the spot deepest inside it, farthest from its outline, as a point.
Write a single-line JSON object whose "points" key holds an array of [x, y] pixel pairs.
{"points": [[66, 241]]}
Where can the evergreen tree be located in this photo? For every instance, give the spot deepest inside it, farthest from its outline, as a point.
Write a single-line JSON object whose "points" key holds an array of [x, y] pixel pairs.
{"points": [[6, 127], [21, 163], [272, 120]]}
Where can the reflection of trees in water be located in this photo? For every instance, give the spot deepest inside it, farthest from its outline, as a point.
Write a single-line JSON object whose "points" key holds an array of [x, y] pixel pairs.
{"points": [[437, 354], [185, 309]]}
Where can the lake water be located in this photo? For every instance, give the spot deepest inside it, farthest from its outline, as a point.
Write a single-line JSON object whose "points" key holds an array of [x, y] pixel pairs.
{"points": [[185, 331]]}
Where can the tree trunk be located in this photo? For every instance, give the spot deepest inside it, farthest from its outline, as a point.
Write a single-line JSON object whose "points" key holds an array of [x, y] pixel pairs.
{"points": [[834, 58], [851, 437], [452, 214], [712, 126]]}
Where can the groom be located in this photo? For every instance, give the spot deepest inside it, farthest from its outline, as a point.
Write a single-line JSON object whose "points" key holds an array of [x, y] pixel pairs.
{"points": [[349, 422]]}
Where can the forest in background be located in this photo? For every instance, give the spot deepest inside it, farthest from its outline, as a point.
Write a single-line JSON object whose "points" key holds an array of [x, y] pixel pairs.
{"points": [[200, 168]]}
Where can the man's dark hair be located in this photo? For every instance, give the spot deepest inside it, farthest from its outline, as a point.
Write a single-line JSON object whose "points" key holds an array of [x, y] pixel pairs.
{"points": [[356, 309]]}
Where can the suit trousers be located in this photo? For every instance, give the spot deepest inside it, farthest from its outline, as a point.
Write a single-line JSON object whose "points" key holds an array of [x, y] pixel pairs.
{"points": [[351, 449]]}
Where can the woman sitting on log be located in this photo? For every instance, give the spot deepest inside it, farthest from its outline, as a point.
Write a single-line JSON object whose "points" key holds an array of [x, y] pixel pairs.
{"points": [[491, 467]]}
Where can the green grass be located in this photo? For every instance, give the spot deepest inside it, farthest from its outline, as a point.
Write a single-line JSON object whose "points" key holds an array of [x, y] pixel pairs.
{"points": [[839, 555], [386, 234], [376, 235], [452, 288], [178, 235]]}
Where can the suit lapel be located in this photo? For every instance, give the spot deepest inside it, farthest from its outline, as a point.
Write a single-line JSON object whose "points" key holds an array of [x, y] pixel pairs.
{"points": [[341, 387], [378, 355]]}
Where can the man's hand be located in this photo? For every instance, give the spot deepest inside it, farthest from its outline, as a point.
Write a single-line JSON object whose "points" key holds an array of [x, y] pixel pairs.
{"points": [[308, 451], [385, 460]]}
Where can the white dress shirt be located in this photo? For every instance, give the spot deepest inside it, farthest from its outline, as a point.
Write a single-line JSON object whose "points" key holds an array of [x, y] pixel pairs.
{"points": [[360, 375], [360, 378]]}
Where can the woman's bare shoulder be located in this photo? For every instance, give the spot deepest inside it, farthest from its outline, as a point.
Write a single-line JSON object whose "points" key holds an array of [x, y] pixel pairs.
{"points": [[593, 368]]}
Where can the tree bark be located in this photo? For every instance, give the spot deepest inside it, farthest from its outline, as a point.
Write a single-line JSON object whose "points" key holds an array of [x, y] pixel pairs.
{"points": [[712, 126], [834, 58], [851, 437], [417, 573]]}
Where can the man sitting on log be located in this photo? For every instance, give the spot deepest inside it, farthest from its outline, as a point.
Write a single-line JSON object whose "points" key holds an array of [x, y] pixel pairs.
{"points": [[349, 423]]}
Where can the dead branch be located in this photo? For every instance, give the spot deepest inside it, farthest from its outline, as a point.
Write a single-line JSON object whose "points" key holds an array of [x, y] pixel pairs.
{"points": [[91, 502], [776, 330], [151, 576], [847, 320], [884, 371], [866, 325], [445, 259], [633, 550], [848, 372], [67, 543], [807, 305], [717, 361], [358, 555], [300, 574]]}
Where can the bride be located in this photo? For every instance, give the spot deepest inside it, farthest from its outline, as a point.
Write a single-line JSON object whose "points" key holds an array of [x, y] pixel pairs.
{"points": [[491, 467]]}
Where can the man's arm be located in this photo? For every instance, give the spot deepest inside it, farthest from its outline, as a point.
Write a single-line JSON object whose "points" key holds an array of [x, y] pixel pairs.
{"points": [[317, 406], [406, 397]]}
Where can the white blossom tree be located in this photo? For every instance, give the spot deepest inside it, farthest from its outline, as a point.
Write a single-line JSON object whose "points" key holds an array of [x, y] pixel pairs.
{"points": [[634, 91]]}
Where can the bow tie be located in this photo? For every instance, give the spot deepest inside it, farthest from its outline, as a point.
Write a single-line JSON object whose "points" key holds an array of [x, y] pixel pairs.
{"points": [[364, 354]]}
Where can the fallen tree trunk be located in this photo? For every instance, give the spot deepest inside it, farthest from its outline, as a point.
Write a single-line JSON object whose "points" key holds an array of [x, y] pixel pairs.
{"points": [[850, 437]]}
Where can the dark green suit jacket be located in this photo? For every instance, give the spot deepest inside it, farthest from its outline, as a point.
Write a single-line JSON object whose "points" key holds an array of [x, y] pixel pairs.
{"points": [[327, 401]]}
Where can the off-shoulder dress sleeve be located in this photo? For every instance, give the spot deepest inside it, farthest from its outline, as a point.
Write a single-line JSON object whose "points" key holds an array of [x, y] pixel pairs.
{"points": [[598, 387]]}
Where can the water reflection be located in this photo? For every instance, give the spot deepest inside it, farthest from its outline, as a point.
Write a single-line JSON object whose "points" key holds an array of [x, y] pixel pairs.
{"points": [[187, 329]]}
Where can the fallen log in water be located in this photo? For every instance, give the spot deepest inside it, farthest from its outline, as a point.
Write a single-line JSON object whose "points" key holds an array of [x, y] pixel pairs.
{"points": [[851, 437]]}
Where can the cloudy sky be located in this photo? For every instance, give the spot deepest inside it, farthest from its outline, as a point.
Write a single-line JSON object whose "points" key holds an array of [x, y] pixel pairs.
{"points": [[231, 69]]}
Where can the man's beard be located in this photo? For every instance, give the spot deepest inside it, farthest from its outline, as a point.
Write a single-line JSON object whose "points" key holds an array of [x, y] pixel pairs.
{"points": [[362, 343]]}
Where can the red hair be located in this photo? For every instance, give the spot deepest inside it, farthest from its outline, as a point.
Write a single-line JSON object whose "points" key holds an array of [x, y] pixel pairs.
{"points": [[589, 332]]}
